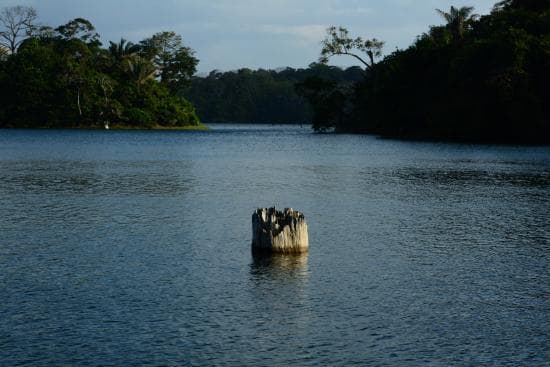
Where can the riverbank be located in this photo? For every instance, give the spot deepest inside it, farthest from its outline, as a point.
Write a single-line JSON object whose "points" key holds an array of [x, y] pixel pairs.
{"points": [[200, 127]]}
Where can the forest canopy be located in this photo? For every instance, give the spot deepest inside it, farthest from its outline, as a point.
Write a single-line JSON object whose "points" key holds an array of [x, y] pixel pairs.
{"points": [[261, 96], [475, 78], [63, 77]]}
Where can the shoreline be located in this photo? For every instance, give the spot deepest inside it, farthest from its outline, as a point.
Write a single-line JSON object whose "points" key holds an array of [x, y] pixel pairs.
{"points": [[200, 127], [118, 128]]}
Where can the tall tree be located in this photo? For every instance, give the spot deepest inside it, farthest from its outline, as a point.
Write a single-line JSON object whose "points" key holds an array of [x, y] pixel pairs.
{"points": [[75, 66], [125, 57], [458, 20], [140, 69], [18, 24], [175, 63], [122, 49], [339, 42], [79, 28]]}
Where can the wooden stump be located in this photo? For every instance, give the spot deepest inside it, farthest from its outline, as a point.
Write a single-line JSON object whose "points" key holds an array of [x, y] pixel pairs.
{"points": [[276, 231]]}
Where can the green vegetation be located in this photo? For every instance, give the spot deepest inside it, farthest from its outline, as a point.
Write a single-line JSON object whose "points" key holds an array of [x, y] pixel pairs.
{"points": [[474, 78], [261, 96], [62, 77]]}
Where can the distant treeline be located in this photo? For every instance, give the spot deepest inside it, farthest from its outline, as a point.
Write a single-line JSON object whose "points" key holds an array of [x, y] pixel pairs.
{"points": [[261, 96], [62, 77], [475, 78]]}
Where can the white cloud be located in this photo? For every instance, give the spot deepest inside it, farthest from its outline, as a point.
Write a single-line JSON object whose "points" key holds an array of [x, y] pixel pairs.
{"points": [[228, 34], [310, 32]]}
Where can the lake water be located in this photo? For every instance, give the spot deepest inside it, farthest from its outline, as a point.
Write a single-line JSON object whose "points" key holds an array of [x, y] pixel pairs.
{"points": [[121, 248]]}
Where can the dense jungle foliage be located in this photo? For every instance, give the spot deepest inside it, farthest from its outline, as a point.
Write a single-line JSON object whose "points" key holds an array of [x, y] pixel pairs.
{"points": [[261, 96], [475, 78], [62, 77]]}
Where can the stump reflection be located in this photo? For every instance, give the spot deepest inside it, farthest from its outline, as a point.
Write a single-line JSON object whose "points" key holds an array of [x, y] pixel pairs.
{"points": [[279, 266]]}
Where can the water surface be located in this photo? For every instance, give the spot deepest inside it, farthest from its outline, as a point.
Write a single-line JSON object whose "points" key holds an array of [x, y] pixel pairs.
{"points": [[133, 248]]}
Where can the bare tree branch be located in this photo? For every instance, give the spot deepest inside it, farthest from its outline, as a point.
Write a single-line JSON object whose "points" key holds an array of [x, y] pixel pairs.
{"points": [[17, 24]]}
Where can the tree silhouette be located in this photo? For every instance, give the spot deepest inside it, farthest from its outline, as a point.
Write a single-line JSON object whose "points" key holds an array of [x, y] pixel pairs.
{"points": [[339, 42], [458, 20], [18, 24], [122, 49]]}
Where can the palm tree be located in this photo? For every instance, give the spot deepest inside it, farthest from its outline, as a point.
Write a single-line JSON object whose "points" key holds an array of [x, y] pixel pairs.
{"points": [[458, 20], [141, 69], [125, 55], [122, 49]]}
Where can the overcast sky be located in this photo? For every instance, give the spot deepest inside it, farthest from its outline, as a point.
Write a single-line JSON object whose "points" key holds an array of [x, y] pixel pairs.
{"points": [[230, 34]]}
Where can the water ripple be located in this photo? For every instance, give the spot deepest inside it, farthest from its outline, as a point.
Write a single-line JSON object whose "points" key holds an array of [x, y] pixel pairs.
{"points": [[132, 248]]}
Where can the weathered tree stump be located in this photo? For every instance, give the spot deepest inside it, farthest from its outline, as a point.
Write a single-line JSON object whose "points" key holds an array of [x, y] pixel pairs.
{"points": [[276, 231]]}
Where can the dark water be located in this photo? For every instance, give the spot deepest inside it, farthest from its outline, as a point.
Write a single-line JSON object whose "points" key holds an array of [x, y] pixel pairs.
{"points": [[133, 248]]}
